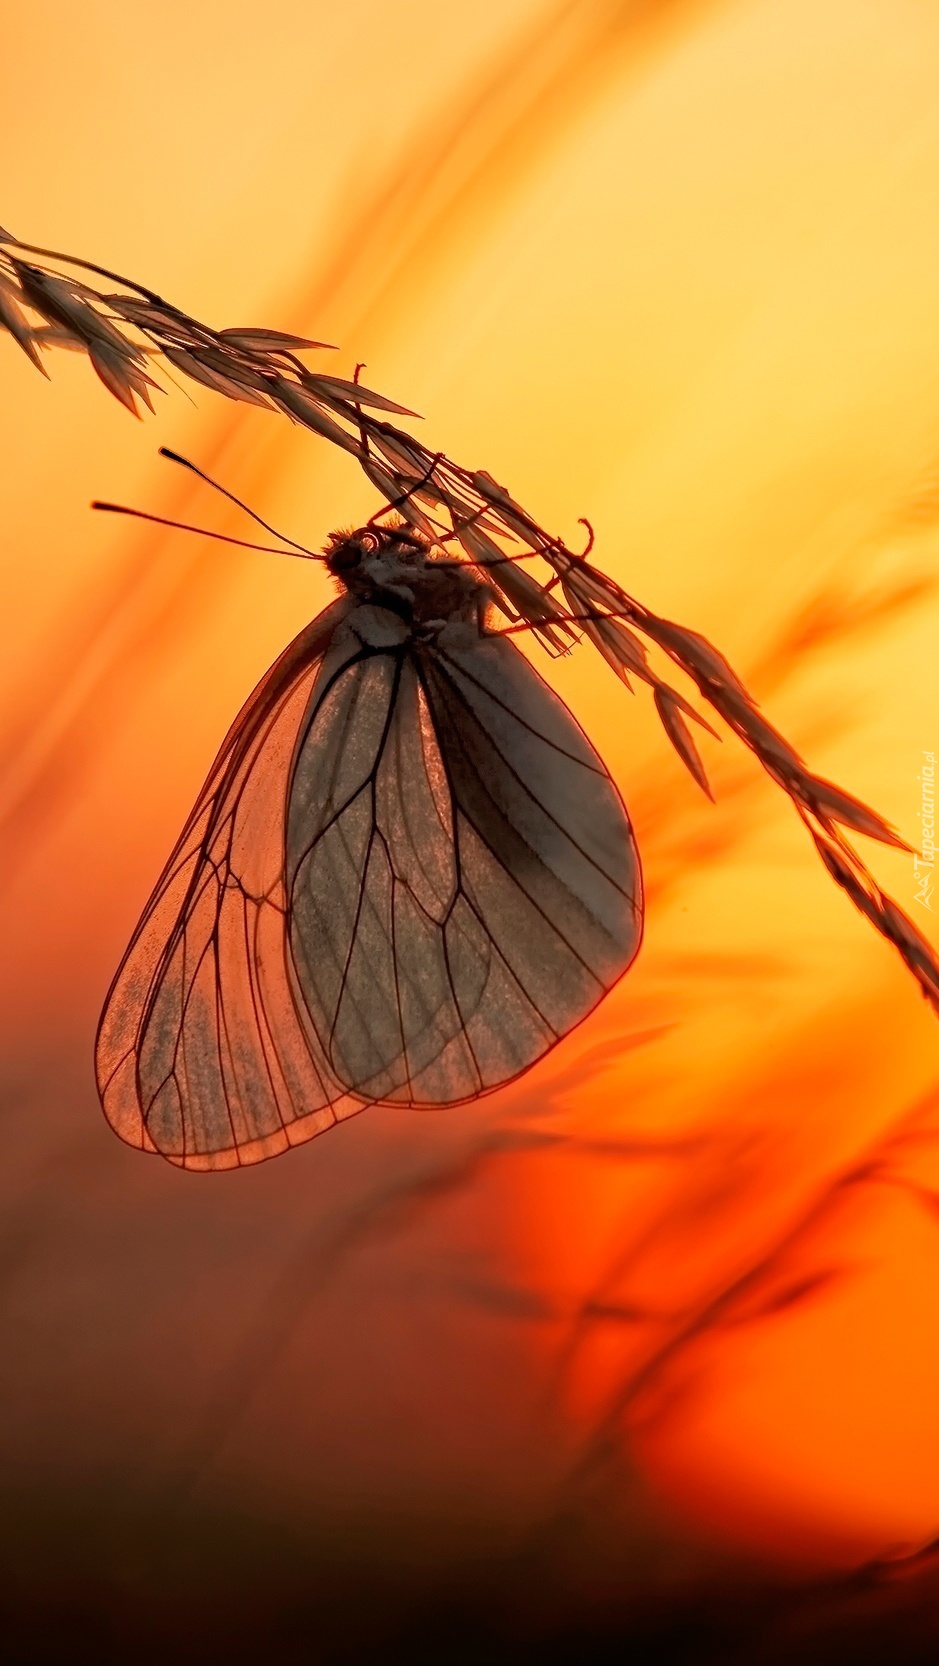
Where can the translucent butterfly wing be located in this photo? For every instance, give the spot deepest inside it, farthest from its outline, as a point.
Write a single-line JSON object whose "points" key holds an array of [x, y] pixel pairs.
{"points": [[463, 883], [204, 1052]]}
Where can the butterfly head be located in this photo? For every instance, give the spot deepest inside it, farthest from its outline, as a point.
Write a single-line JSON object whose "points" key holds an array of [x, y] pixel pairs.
{"points": [[350, 555]]}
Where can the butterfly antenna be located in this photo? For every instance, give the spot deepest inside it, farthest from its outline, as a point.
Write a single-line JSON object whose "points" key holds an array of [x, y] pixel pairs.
{"points": [[301, 549], [183, 526]]}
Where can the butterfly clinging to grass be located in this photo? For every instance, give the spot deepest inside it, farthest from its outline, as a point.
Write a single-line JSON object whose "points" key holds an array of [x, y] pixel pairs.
{"points": [[409, 874]]}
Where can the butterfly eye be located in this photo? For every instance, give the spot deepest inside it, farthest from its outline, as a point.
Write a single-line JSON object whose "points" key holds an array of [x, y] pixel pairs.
{"points": [[343, 556]]}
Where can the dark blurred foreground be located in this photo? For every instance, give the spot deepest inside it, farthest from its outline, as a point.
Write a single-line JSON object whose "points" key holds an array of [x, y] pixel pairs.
{"points": [[200, 1588], [271, 1420]]}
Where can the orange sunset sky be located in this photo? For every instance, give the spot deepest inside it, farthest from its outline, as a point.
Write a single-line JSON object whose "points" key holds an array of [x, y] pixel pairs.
{"points": [[669, 264]]}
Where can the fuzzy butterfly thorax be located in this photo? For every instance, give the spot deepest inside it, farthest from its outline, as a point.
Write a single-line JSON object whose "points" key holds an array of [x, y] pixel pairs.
{"points": [[396, 568]]}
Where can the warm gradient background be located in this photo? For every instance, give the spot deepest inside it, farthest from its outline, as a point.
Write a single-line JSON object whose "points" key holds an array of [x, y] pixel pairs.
{"points": [[668, 1310]]}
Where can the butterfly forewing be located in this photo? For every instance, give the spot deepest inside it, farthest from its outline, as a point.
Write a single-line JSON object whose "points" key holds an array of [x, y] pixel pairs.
{"points": [[204, 1052], [463, 886], [548, 866]]}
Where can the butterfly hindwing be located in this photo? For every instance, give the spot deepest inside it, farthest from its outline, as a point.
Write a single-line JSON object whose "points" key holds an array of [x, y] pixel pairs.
{"points": [[204, 1052]]}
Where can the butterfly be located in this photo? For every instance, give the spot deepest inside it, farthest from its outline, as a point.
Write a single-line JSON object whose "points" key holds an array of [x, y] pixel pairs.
{"points": [[407, 876], [409, 873]]}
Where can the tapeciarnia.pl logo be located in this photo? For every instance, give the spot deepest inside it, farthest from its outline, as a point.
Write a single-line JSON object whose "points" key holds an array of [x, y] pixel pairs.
{"points": [[925, 863]]}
